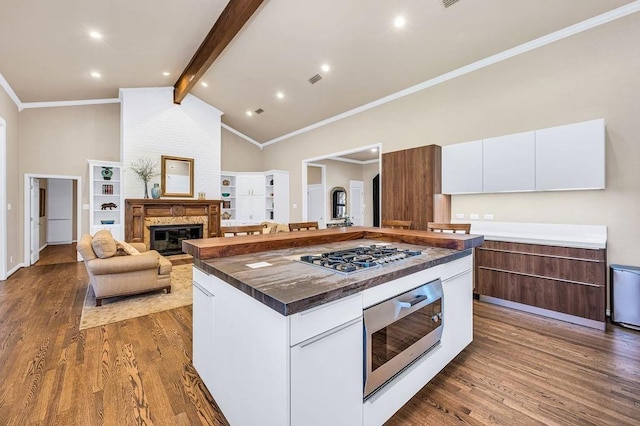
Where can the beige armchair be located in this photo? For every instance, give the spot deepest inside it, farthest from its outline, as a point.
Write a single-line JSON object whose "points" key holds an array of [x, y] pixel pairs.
{"points": [[112, 275]]}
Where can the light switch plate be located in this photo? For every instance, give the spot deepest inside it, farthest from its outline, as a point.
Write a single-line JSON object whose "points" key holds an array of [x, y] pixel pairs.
{"points": [[488, 216], [473, 216], [459, 215]]}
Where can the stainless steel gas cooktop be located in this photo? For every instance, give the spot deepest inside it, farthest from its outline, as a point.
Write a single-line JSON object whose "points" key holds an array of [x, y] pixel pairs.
{"points": [[358, 258]]}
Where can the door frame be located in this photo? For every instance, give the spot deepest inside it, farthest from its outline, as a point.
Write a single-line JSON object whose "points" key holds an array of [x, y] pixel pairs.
{"points": [[27, 210], [3, 200], [361, 185], [305, 198], [309, 161]]}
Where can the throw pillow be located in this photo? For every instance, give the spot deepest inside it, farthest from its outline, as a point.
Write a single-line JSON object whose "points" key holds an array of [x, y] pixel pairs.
{"points": [[127, 248], [103, 244], [266, 230]]}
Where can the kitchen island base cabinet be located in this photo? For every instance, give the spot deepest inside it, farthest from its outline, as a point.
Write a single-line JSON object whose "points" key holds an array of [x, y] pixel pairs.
{"points": [[318, 367], [457, 335], [258, 378]]}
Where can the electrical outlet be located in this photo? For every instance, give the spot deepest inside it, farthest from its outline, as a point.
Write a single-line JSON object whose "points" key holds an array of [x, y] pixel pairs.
{"points": [[10, 259], [9, 206], [488, 216], [85, 207], [459, 215], [295, 206], [474, 216]]}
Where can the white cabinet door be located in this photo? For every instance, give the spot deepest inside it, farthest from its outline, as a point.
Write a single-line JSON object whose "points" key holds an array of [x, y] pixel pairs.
{"points": [[508, 163], [571, 156], [462, 168], [326, 378], [250, 209], [250, 185], [203, 329]]}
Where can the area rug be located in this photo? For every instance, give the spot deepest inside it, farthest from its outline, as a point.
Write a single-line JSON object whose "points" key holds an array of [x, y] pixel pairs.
{"points": [[116, 309]]}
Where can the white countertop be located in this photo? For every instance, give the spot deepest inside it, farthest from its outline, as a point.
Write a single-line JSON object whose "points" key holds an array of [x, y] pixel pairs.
{"points": [[580, 236]]}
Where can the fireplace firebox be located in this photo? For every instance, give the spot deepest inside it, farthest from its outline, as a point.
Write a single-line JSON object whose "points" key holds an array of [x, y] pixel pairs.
{"points": [[167, 239]]}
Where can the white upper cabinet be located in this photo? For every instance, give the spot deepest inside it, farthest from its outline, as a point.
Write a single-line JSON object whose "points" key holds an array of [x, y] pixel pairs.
{"points": [[462, 168], [571, 156], [250, 185], [508, 163]]}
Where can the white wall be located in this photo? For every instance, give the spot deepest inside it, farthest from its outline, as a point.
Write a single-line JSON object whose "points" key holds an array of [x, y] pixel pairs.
{"points": [[152, 126]]}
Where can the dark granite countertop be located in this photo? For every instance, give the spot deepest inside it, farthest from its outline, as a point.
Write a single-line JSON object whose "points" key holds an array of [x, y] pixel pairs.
{"points": [[289, 286]]}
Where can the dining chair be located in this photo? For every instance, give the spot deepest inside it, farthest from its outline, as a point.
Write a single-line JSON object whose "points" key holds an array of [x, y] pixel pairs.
{"points": [[397, 224], [303, 226], [241, 230], [452, 227]]}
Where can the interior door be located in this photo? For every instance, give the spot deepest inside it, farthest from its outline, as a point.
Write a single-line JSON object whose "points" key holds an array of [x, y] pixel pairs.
{"points": [[315, 205], [35, 220], [60, 215], [356, 202]]}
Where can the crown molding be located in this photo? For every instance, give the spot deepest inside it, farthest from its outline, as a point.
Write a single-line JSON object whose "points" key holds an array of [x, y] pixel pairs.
{"points": [[7, 88], [54, 104], [242, 135], [566, 32]]}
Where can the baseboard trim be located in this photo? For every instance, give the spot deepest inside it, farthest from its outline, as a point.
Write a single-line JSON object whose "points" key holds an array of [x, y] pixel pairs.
{"points": [[15, 269], [43, 247]]}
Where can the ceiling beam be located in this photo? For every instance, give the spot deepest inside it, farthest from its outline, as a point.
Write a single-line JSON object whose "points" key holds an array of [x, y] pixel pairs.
{"points": [[231, 20]]}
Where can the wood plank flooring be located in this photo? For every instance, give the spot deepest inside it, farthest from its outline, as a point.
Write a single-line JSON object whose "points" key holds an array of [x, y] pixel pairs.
{"points": [[520, 369], [59, 253]]}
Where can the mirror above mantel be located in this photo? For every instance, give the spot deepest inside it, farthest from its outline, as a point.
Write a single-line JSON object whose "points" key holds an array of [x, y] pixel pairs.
{"points": [[177, 176]]}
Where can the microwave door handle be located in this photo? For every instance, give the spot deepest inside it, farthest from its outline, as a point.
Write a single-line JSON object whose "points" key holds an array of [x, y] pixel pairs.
{"points": [[413, 302]]}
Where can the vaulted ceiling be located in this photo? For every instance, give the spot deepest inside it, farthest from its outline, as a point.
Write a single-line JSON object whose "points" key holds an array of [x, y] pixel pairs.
{"points": [[47, 54]]}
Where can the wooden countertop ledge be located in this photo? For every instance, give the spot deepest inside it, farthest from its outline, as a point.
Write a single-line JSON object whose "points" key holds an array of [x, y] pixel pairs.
{"points": [[210, 248]]}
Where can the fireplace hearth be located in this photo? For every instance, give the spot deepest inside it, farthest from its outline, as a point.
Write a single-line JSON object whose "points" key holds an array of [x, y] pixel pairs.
{"points": [[167, 239]]}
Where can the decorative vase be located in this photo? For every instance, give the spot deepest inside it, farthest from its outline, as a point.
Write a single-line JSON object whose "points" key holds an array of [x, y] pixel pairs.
{"points": [[155, 191], [107, 172], [146, 190]]}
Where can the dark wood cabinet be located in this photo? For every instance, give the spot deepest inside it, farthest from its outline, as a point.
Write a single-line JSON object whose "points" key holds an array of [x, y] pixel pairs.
{"points": [[566, 280], [411, 186]]}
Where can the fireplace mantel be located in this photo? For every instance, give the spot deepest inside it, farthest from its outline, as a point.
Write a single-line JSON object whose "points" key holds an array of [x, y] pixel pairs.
{"points": [[137, 210]]}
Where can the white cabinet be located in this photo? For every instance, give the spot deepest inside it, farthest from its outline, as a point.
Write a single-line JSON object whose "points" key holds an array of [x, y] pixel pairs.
{"points": [[462, 168], [508, 163], [106, 199], [250, 198], [277, 196], [250, 209], [250, 185], [326, 373], [567, 157], [571, 156], [203, 328]]}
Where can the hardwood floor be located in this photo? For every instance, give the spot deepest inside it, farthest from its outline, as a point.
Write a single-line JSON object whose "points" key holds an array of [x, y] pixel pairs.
{"points": [[520, 369], [54, 254]]}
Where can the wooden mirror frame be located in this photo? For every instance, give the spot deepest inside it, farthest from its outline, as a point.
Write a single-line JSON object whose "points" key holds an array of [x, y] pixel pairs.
{"points": [[163, 173]]}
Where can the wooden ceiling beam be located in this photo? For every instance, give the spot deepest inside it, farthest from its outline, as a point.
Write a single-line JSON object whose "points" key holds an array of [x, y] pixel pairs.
{"points": [[230, 22]]}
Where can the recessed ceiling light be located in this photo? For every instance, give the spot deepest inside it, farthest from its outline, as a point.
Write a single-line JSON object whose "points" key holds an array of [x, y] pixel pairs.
{"points": [[326, 68], [399, 22], [280, 95], [95, 74], [166, 73], [374, 149], [204, 84], [249, 113], [95, 35]]}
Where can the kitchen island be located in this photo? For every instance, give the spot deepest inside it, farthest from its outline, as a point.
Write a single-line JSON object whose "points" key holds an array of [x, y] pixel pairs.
{"points": [[280, 342]]}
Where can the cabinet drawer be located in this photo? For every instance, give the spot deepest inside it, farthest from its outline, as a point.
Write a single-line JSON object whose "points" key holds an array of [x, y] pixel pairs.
{"points": [[310, 323]]}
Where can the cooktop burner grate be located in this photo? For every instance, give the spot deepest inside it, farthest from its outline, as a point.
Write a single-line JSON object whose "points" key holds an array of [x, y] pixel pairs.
{"points": [[359, 258]]}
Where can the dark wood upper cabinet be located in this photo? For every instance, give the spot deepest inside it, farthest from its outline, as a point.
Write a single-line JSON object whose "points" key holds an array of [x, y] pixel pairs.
{"points": [[411, 184]]}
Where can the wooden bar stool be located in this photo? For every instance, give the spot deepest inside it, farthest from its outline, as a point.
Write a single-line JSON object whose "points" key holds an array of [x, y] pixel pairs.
{"points": [[453, 227], [397, 224], [303, 226], [241, 230]]}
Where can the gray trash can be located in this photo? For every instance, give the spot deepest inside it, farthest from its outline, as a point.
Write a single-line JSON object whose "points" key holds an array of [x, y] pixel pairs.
{"points": [[625, 295]]}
